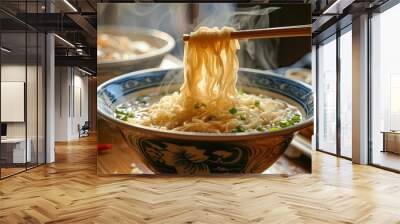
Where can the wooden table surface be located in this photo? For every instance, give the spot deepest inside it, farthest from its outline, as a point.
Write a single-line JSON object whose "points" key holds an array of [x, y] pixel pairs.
{"points": [[69, 191]]}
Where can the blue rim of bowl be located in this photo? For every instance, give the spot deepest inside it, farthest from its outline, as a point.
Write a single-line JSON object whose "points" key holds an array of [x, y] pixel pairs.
{"points": [[202, 136], [151, 32]]}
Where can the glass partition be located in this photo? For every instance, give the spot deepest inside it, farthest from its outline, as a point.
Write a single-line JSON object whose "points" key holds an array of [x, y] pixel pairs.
{"points": [[31, 98], [385, 89], [346, 93], [23, 90], [327, 95], [14, 153]]}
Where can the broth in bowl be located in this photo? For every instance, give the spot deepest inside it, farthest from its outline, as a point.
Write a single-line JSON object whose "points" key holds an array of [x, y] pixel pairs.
{"points": [[254, 113]]}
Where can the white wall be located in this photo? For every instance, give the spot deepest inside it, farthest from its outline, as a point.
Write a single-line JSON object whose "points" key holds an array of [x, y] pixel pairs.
{"points": [[80, 109], [16, 73], [70, 83], [61, 112], [33, 126]]}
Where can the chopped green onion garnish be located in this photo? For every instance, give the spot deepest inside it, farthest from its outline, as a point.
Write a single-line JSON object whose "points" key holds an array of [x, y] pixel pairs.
{"points": [[120, 111], [233, 110], [240, 128], [284, 123], [260, 129], [122, 117], [257, 103], [273, 129], [296, 118]]}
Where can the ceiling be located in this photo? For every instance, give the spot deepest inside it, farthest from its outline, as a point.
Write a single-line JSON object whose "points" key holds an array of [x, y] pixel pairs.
{"points": [[76, 22], [332, 15], [72, 20]]}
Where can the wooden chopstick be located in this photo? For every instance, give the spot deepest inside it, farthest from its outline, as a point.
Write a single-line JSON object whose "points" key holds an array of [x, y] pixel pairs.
{"points": [[276, 32]]}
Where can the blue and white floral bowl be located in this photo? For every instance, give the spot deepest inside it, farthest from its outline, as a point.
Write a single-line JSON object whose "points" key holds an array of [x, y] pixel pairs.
{"points": [[188, 153]]}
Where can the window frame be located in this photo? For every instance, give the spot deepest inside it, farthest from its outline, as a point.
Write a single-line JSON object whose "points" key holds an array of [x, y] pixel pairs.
{"points": [[378, 10], [334, 36], [339, 28]]}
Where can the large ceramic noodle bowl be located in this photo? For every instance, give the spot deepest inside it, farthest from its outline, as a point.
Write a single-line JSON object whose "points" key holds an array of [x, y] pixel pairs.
{"points": [[196, 153], [208, 119]]}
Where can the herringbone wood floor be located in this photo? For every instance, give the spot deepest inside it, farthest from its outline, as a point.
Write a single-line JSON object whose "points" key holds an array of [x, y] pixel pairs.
{"points": [[69, 191]]}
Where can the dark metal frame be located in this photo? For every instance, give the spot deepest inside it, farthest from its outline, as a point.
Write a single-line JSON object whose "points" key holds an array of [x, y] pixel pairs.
{"points": [[25, 89], [369, 116], [316, 96], [45, 92], [338, 98], [339, 31], [44, 74], [0, 92]]}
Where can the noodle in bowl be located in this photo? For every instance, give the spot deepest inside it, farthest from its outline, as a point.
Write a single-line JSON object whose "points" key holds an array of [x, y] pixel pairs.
{"points": [[197, 153]]}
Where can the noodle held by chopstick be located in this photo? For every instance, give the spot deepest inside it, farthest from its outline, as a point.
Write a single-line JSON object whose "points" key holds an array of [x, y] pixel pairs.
{"points": [[208, 100], [211, 67]]}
